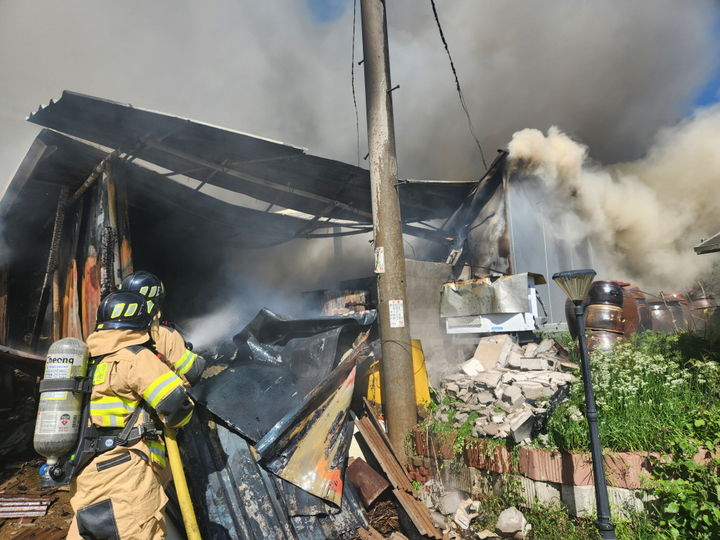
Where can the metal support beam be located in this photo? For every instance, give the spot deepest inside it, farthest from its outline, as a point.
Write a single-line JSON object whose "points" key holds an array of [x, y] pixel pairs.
{"points": [[398, 389], [253, 179]]}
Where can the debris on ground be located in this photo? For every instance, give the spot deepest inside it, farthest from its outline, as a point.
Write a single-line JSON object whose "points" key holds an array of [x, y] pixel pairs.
{"points": [[381, 449], [506, 386], [511, 523], [20, 480], [15, 506], [384, 516]]}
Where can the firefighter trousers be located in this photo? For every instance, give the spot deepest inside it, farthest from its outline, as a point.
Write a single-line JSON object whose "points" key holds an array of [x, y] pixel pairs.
{"points": [[118, 496]]}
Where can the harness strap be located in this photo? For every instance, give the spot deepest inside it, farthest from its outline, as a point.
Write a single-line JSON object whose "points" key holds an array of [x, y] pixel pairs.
{"points": [[77, 384]]}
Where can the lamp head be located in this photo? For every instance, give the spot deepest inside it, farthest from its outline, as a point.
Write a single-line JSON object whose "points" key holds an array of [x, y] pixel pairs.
{"points": [[575, 283]]}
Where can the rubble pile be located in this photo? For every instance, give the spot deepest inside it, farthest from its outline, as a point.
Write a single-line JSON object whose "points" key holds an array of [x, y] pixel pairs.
{"points": [[506, 386]]}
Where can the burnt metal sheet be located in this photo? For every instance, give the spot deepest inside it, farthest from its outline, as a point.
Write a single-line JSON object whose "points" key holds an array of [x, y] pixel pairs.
{"points": [[277, 363], [709, 245], [267, 170], [507, 294], [37, 152], [18, 507], [309, 446], [481, 222], [235, 498]]}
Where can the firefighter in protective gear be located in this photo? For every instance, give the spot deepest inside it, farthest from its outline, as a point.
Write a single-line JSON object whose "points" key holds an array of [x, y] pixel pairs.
{"points": [[169, 343], [119, 494]]}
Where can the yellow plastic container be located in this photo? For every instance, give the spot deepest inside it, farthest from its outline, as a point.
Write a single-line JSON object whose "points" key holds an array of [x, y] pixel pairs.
{"points": [[422, 390]]}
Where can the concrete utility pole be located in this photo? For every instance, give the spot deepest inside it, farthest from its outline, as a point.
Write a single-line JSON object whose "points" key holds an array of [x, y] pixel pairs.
{"points": [[398, 388]]}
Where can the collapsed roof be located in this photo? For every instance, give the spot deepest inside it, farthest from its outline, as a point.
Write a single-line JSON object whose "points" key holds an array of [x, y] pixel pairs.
{"points": [[709, 245], [280, 174]]}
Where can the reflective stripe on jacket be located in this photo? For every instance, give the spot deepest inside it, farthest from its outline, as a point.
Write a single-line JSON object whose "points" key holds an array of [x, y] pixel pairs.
{"points": [[170, 345], [129, 375]]}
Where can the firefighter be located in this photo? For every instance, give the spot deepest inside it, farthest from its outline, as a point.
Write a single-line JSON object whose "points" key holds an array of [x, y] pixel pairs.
{"points": [[119, 494], [169, 343]]}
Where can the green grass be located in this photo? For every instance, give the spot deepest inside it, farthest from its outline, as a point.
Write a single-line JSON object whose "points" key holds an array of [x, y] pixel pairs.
{"points": [[647, 391]]}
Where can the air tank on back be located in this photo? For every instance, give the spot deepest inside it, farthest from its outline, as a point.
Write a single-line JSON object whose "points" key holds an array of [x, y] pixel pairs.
{"points": [[59, 412]]}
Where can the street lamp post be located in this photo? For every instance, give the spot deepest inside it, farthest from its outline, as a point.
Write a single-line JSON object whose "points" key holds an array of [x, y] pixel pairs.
{"points": [[576, 284]]}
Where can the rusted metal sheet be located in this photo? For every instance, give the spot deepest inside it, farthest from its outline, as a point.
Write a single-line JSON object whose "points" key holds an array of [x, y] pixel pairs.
{"points": [[90, 269], [125, 262], [381, 449], [18, 507], [418, 514], [369, 483]]}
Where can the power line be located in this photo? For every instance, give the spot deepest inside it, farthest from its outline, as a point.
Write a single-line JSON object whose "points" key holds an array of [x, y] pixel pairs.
{"points": [[457, 84], [352, 78]]}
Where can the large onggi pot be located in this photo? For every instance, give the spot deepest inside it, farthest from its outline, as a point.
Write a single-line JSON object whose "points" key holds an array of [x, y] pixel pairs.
{"points": [[605, 317], [641, 303], [631, 311], [601, 341], [703, 307], [679, 306], [666, 316], [605, 292]]}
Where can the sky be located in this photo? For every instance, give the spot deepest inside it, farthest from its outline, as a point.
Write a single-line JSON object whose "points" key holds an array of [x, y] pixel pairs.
{"points": [[614, 76], [610, 75]]}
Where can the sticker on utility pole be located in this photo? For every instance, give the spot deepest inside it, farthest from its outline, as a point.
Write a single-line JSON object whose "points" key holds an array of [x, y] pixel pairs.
{"points": [[397, 315], [380, 260]]}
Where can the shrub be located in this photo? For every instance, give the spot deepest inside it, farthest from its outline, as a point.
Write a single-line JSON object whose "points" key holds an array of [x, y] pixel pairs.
{"points": [[646, 390]]}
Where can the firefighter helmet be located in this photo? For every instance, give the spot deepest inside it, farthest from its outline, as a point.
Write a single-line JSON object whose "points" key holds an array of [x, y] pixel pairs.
{"points": [[125, 310], [145, 283]]}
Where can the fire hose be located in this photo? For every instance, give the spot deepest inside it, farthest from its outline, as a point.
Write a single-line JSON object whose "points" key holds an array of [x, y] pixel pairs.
{"points": [[186, 507]]}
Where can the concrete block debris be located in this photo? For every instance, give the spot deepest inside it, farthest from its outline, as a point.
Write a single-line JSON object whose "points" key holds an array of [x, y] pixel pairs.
{"points": [[506, 386]]}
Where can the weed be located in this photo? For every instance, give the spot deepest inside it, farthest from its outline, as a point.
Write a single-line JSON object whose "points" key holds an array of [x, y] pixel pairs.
{"points": [[552, 522], [646, 390]]}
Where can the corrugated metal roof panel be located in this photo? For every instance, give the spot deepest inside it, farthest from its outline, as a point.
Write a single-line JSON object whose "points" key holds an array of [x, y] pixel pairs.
{"points": [[275, 172], [242, 500], [55, 159], [710, 245]]}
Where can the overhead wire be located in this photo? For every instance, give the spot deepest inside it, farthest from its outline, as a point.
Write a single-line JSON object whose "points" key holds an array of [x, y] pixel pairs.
{"points": [[457, 84], [352, 79]]}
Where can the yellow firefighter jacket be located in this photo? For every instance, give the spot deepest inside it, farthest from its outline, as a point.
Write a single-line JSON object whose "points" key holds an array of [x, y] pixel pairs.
{"points": [[170, 345], [121, 491]]}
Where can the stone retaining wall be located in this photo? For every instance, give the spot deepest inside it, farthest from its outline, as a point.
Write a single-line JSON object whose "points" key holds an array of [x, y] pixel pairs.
{"points": [[543, 475]]}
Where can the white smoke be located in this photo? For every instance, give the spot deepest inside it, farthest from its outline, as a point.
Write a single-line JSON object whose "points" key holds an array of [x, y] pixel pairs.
{"points": [[645, 216], [608, 74]]}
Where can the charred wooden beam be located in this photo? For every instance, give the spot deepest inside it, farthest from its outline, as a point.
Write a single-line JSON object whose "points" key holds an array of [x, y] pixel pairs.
{"points": [[28, 362], [97, 171], [51, 266]]}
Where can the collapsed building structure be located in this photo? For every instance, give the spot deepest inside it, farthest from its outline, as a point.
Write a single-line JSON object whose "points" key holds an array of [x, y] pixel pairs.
{"points": [[106, 188]]}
